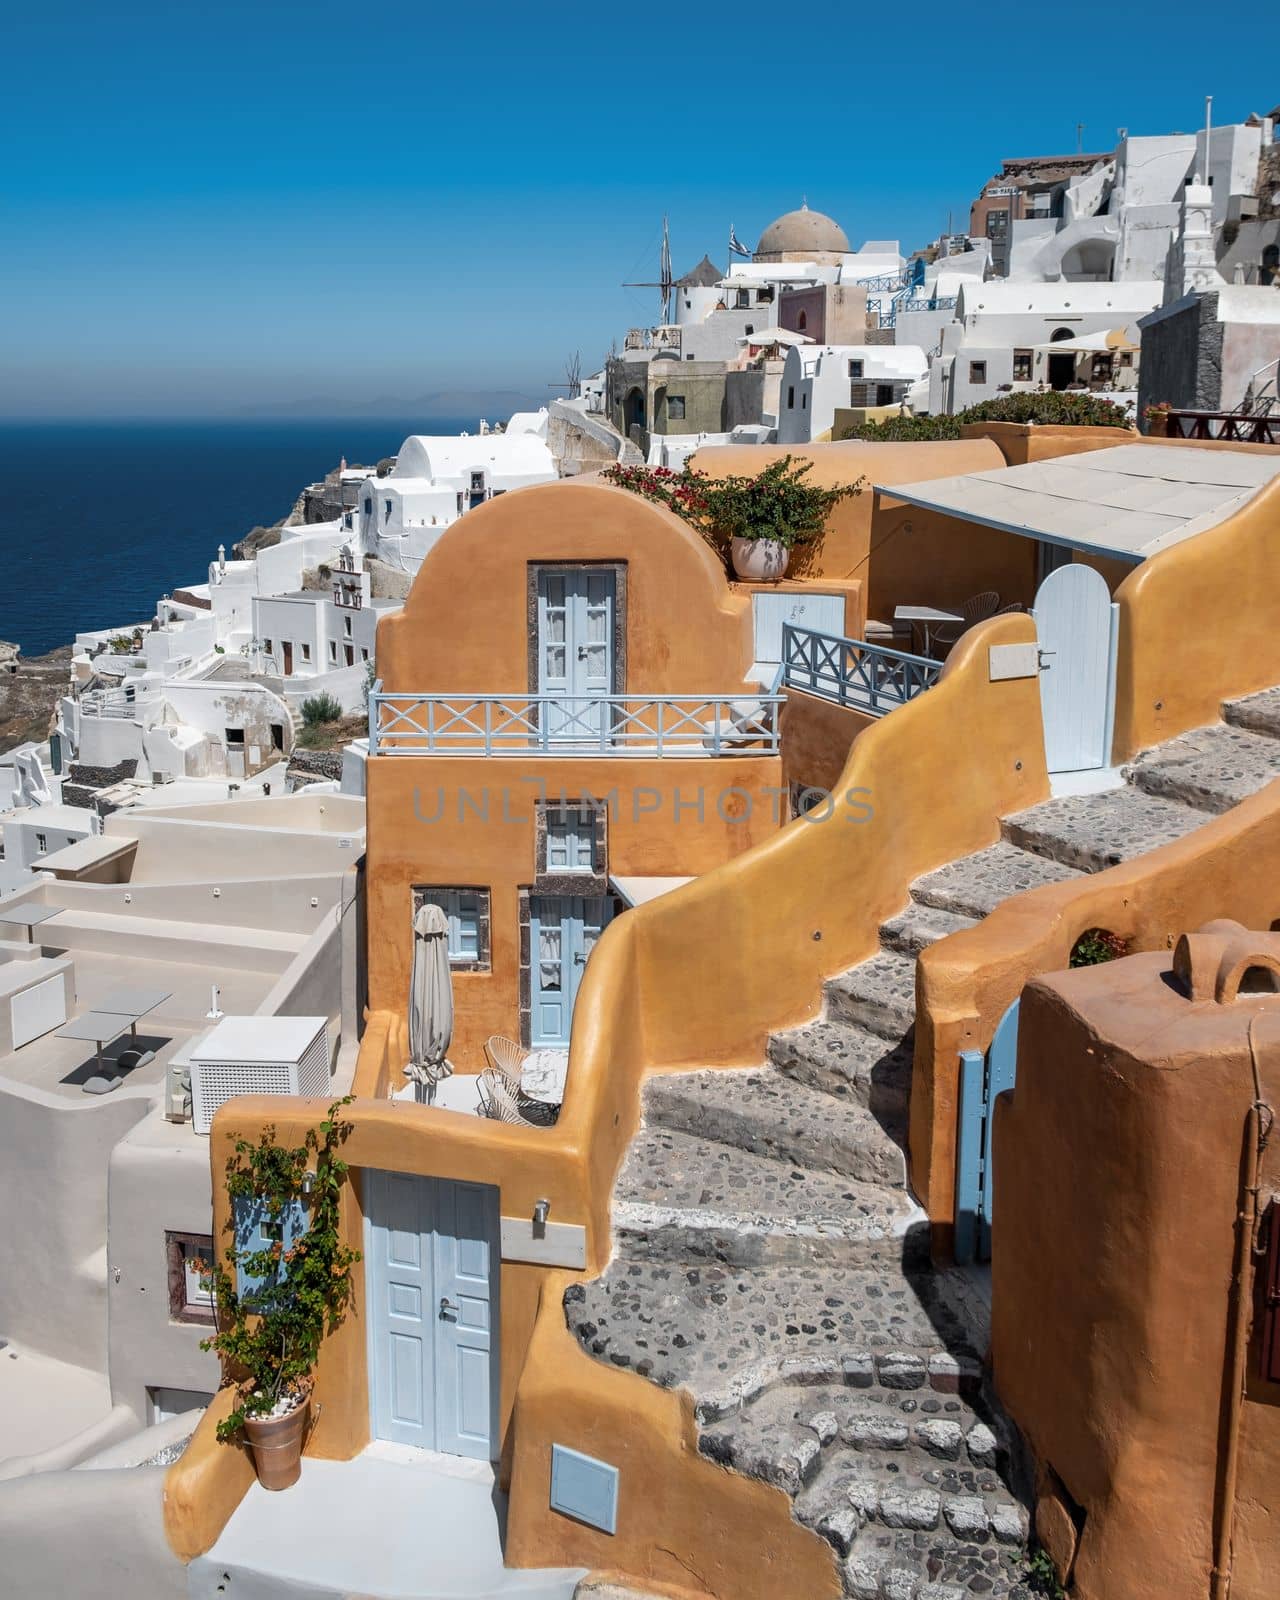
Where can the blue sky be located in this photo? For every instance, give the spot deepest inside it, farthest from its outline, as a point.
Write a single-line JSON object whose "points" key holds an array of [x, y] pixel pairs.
{"points": [[208, 208]]}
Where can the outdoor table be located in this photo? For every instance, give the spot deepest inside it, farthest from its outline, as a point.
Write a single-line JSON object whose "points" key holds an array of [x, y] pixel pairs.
{"points": [[131, 1003], [542, 1075], [109, 1018], [926, 617], [98, 1028], [29, 916]]}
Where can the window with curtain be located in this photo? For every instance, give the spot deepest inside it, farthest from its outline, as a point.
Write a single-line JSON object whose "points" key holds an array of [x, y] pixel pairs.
{"points": [[467, 913]]}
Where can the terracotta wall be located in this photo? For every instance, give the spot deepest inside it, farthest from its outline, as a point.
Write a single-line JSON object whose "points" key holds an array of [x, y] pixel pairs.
{"points": [[1199, 623], [1021, 442], [967, 982], [465, 627], [665, 818], [904, 556], [817, 735], [1121, 1156]]}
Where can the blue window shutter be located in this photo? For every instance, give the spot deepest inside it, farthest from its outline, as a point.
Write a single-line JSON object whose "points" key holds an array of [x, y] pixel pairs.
{"points": [[253, 1230]]}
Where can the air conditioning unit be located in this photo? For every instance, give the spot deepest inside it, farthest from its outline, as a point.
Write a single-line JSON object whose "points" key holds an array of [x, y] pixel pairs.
{"points": [[257, 1055]]}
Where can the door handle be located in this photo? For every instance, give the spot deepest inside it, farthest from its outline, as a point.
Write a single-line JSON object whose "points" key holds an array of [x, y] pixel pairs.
{"points": [[580, 959], [1042, 654], [582, 652], [448, 1311]]}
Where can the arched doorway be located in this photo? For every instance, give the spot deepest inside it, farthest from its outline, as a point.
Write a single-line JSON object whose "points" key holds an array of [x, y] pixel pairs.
{"points": [[1062, 368], [633, 410]]}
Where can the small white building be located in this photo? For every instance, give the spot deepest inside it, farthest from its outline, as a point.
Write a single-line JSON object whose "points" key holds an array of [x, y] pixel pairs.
{"points": [[1001, 326], [819, 379], [437, 479]]}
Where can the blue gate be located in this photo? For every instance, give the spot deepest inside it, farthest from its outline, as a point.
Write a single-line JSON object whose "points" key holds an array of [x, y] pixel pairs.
{"points": [[982, 1078]]}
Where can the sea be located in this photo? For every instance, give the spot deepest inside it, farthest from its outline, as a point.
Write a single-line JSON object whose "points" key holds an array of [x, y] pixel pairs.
{"points": [[98, 520]]}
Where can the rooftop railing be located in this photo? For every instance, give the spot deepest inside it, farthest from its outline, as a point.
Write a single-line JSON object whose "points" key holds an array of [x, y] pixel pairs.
{"points": [[852, 672], [1241, 427], [571, 725]]}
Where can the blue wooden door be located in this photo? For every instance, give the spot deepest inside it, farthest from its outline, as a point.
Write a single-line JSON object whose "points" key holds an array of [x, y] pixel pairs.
{"points": [[563, 933], [401, 1290], [575, 652], [432, 1253], [466, 1260], [982, 1080], [1076, 626]]}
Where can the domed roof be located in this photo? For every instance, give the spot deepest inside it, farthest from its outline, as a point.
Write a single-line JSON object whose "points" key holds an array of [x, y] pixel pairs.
{"points": [[803, 230]]}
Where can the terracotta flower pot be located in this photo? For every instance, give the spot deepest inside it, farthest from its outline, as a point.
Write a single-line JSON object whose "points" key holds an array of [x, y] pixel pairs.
{"points": [[276, 1443], [759, 560]]}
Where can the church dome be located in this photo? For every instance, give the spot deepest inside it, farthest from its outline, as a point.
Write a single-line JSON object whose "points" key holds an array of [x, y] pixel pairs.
{"points": [[801, 231]]}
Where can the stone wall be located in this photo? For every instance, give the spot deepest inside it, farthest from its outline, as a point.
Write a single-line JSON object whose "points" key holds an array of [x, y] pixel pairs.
{"points": [[1182, 356], [313, 766]]}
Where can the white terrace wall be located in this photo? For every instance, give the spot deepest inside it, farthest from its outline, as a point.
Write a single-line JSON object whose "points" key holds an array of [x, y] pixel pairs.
{"points": [[53, 1195]]}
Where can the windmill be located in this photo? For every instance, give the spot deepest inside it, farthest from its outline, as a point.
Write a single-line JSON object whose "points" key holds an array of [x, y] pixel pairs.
{"points": [[664, 283], [573, 376]]}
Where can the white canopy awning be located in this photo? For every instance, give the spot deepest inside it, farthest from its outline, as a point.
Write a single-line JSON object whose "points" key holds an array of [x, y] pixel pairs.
{"points": [[1128, 503]]}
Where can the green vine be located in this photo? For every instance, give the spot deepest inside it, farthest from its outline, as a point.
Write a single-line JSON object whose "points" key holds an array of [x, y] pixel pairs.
{"points": [[778, 503], [1042, 1576], [268, 1338], [1096, 945]]}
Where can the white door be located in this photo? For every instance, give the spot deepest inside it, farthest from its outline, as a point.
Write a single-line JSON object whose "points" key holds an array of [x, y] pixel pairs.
{"points": [[433, 1255], [564, 930], [575, 651], [1076, 626]]}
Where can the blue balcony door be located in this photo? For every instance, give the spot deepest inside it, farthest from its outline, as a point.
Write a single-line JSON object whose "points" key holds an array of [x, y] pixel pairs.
{"points": [[563, 932], [432, 1253], [575, 652]]}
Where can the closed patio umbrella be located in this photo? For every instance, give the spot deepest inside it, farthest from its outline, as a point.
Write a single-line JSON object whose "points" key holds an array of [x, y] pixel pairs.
{"points": [[430, 1003]]}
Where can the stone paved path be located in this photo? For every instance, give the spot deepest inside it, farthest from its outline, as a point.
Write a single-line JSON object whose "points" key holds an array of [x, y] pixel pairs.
{"points": [[771, 1261]]}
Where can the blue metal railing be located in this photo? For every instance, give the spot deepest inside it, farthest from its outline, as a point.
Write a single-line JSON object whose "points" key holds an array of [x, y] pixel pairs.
{"points": [[852, 672], [572, 725]]}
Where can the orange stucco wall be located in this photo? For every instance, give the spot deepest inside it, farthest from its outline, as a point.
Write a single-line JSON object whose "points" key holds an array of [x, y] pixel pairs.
{"points": [[1120, 1167], [905, 556], [1198, 623], [817, 735], [465, 627], [965, 984], [1021, 442], [470, 822]]}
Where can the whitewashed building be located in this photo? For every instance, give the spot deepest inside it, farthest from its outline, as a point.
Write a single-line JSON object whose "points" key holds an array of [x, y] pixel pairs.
{"points": [[819, 379], [436, 479]]}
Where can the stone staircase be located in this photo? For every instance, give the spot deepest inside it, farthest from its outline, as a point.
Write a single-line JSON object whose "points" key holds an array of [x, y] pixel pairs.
{"points": [[770, 1260]]}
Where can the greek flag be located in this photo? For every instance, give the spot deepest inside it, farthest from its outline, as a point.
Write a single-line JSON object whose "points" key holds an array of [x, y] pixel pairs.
{"points": [[736, 247]]}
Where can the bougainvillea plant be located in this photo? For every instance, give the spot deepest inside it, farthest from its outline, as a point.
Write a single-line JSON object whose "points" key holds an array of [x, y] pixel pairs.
{"points": [[269, 1335], [1096, 945], [778, 503]]}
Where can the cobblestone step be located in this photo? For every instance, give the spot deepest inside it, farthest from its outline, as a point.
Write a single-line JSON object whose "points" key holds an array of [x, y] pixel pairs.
{"points": [[765, 1112], [936, 1439], [847, 1061], [1211, 769], [916, 928], [973, 886], [879, 994], [1260, 713], [683, 1197], [726, 1334], [1094, 831], [898, 1564]]}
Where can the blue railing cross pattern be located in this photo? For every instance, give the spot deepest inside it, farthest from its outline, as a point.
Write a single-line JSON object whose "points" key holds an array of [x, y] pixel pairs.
{"points": [[605, 724], [852, 672]]}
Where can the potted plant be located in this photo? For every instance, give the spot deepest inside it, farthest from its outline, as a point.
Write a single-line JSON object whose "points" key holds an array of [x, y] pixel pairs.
{"points": [[283, 1284], [761, 519]]}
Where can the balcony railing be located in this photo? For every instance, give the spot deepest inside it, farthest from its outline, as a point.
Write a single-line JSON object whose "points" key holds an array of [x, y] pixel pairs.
{"points": [[572, 725], [852, 672], [1242, 427]]}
